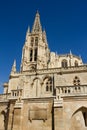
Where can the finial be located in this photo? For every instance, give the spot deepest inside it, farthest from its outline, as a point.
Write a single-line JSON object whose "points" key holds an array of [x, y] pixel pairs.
{"points": [[14, 67], [44, 31], [80, 56], [70, 52], [56, 53], [27, 33], [37, 14], [28, 30], [14, 64]]}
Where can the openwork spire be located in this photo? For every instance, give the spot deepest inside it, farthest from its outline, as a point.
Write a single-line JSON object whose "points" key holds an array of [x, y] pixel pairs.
{"points": [[37, 25]]}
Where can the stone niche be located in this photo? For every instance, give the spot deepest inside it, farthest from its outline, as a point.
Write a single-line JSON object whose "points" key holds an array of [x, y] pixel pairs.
{"points": [[38, 114]]}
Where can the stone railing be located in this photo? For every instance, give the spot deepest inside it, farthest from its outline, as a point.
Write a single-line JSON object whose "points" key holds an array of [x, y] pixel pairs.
{"points": [[71, 90], [4, 97]]}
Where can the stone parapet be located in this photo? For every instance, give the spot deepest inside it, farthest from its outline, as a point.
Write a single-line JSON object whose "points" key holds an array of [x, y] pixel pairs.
{"points": [[72, 90], [4, 97]]}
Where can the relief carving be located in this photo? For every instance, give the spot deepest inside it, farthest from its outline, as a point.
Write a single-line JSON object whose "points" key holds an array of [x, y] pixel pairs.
{"points": [[38, 114]]}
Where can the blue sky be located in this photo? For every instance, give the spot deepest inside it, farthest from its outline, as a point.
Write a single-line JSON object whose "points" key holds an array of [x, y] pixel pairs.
{"points": [[65, 22]]}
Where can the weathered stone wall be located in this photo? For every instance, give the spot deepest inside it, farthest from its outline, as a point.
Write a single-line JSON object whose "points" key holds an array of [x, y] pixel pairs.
{"points": [[37, 115], [3, 115], [11, 115], [73, 109]]}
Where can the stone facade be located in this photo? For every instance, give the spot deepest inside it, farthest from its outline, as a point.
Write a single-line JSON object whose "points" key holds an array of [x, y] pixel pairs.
{"points": [[50, 90]]}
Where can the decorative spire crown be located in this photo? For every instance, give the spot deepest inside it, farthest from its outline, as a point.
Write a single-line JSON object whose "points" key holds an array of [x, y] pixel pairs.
{"points": [[37, 25], [70, 52], [28, 32], [14, 67]]}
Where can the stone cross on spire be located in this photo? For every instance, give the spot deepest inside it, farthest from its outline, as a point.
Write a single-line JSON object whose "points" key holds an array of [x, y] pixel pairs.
{"points": [[37, 25]]}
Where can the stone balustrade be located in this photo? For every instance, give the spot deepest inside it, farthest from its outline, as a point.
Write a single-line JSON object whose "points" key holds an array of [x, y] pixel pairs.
{"points": [[4, 97], [71, 90]]}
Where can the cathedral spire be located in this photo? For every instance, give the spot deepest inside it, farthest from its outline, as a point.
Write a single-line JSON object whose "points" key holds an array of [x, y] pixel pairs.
{"points": [[37, 25], [13, 67]]}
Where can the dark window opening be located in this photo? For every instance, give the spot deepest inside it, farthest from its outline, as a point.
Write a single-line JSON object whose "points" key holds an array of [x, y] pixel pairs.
{"points": [[47, 88], [51, 88], [85, 117], [36, 41], [32, 41], [68, 91], [64, 64], [65, 91], [75, 88], [12, 93], [76, 64], [49, 85], [35, 54], [79, 88], [76, 77], [31, 53]]}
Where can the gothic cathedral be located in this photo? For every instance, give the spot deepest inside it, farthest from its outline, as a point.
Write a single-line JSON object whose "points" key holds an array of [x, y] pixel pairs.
{"points": [[50, 90]]}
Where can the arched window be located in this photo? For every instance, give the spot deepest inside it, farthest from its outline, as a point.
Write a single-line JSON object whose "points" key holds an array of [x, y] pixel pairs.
{"points": [[64, 63], [32, 41], [36, 41], [49, 85], [47, 88], [76, 63], [35, 54], [31, 55], [76, 81]]}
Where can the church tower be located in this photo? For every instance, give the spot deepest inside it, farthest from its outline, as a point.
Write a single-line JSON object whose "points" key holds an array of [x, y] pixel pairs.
{"points": [[35, 53]]}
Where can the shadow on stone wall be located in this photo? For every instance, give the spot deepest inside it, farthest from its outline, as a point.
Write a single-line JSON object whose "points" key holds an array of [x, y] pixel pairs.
{"points": [[79, 119]]}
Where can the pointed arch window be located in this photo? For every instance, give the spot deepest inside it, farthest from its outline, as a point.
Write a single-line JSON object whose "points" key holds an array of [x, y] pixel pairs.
{"points": [[49, 85], [32, 41], [31, 55], [64, 63], [36, 41], [35, 54]]}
